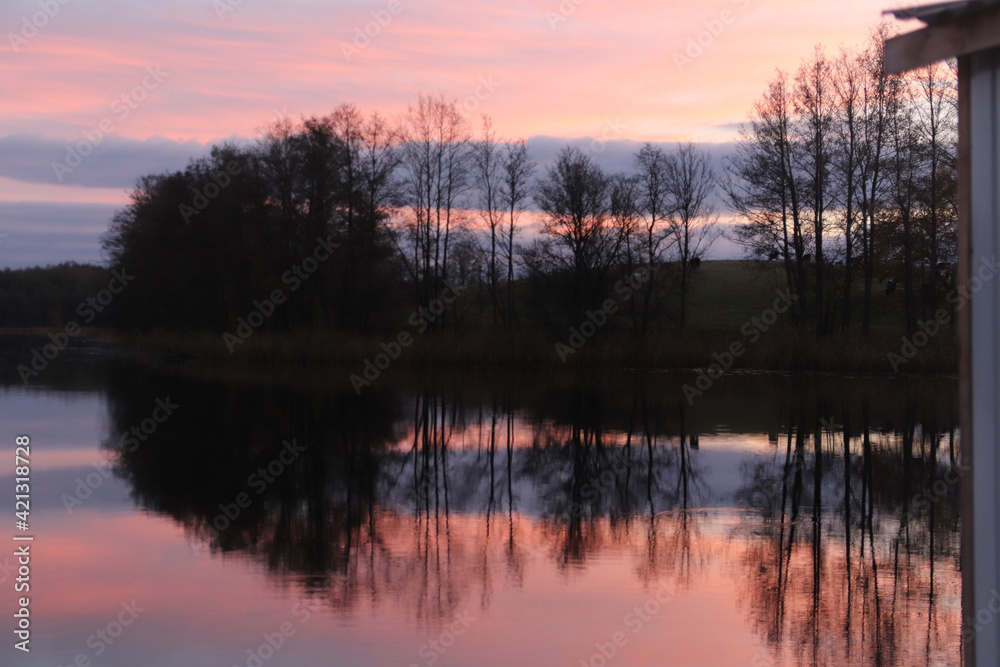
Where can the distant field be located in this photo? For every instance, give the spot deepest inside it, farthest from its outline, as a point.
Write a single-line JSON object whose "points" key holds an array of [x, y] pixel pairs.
{"points": [[726, 293]]}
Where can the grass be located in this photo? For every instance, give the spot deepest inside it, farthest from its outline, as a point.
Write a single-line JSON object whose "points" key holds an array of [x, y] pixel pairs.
{"points": [[725, 296], [784, 350], [727, 293]]}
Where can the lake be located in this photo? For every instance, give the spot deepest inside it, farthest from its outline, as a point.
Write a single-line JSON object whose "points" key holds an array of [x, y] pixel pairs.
{"points": [[251, 516]]}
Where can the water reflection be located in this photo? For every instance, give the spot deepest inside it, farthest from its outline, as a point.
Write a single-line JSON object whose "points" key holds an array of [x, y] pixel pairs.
{"points": [[830, 505]]}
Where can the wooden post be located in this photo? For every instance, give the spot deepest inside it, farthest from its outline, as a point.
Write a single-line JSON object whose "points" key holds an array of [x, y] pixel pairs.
{"points": [[980, 152], [964, 353], [971, 31]]}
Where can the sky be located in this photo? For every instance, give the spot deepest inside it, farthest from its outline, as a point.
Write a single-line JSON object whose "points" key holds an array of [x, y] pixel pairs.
{"points": [[142, 87]]}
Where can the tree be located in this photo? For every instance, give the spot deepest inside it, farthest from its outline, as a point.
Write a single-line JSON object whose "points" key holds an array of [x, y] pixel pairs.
{"points": [[516, 191], [580, 243], [487, 162], [369, 193], [935, 101], [436, 159], [903, 187], [192, 238], [764, 188], [216, 238], [879, 91], [655, 202], [812, 150], [848, 131], [626, 215], [689, 183]]}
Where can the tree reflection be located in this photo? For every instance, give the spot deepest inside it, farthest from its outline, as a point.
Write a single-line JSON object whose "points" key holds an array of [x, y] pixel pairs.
{"points": [[853, 580], [432, 496]]}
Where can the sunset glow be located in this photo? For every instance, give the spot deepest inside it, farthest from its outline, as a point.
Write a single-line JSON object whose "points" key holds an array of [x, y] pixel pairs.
{"points": [[224, 70]]}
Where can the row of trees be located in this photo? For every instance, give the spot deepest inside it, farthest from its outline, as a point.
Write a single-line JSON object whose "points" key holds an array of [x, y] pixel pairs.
{"points": [[655, 223], [232, 227], [844, 177], [50, 296], [854, 168], [410, 207]]}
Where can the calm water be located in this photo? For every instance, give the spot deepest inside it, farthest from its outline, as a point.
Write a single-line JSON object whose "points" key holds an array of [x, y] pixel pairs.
{"points": [[478, 519]]}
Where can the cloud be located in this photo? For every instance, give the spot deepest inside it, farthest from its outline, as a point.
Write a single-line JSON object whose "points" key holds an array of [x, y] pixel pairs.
{"points": [[226, 73], [618, 155], [114, 163], [43, 233], [119, 162], [615, 155], [39, 234]]}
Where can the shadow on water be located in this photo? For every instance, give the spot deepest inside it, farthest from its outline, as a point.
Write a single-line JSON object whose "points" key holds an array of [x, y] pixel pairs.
{"points": [[831, 502]]}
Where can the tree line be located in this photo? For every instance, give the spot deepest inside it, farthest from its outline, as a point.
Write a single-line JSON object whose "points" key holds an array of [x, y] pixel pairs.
{"points": [[846, 175], [411, 206], [50, 296], [842, 183]]}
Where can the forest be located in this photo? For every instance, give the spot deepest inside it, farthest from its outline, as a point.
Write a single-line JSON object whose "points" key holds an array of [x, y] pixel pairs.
{"points": [[840, 189]]}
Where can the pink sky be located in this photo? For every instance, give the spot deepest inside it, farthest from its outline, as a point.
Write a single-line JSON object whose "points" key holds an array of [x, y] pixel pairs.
{"points": [[561, 68]]}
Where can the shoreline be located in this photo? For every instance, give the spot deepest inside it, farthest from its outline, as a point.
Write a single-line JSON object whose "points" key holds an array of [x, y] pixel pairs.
{"points": [[778, 351]]}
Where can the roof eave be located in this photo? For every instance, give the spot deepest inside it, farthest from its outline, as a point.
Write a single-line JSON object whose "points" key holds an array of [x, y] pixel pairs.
{"points": [[964, 28]]}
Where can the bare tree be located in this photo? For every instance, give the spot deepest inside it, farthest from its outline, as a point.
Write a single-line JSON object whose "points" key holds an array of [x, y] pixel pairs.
{"points": [[626, 207], [814, 105], [655, 201], [378, 147], [903, 187], [436, 159], [690, 181], [580, 243], [517, 170], [848, 136], [878, 90], [936, 115], [486, 160], [765, 189]]}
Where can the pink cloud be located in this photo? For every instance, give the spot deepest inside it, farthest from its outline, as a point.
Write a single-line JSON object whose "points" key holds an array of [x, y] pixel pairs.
{"points": [[565, 67]]}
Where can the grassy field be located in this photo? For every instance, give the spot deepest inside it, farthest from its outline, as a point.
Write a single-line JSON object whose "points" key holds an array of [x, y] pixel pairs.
{"points": [[725, 299], [727, 293]]}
